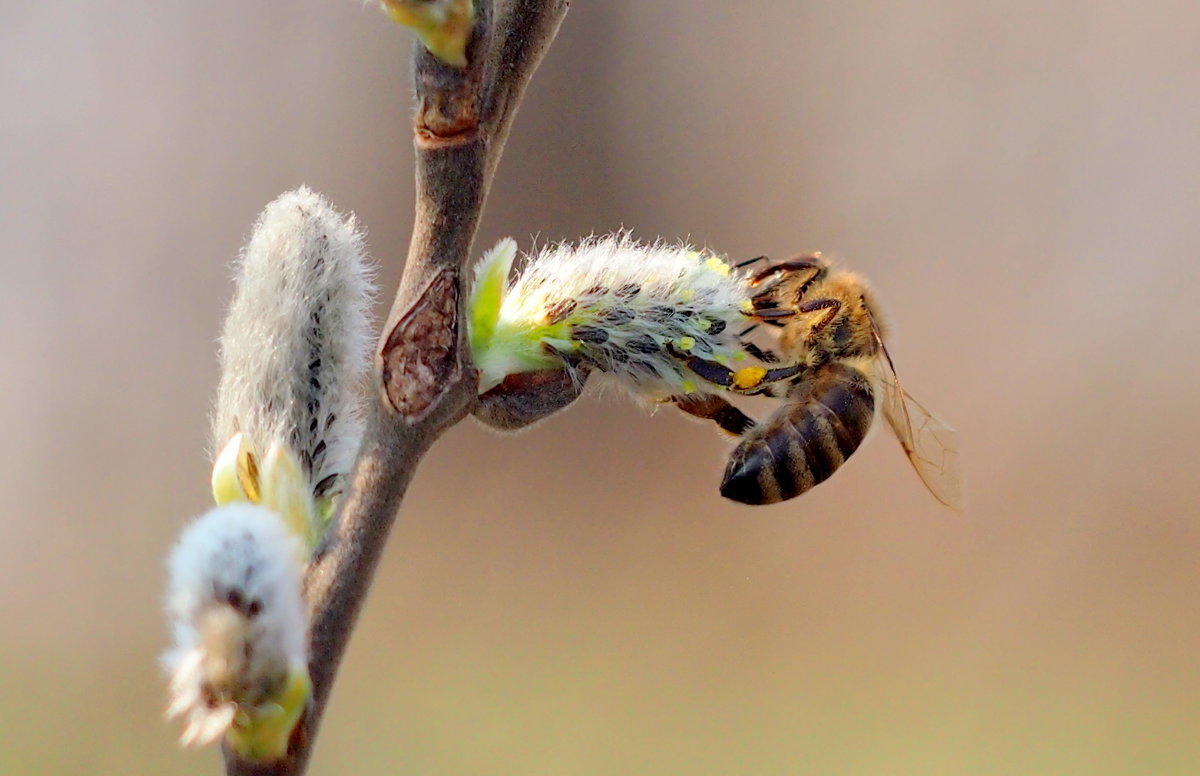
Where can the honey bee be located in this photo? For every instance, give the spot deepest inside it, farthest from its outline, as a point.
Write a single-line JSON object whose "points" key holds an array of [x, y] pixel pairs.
{"points": [[829, 326]]}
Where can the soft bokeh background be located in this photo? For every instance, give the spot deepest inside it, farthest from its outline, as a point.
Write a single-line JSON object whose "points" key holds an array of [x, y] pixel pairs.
{"points": [[1020, 180]]}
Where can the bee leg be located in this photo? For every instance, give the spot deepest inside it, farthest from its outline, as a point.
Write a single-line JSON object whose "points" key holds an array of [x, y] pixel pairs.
{"points": [[775, 375], [768, 311], [712, 407], [766, 356], [523, 399], [812, 263], [757, 323], [816, 305], [749, 379], [748, 262]]}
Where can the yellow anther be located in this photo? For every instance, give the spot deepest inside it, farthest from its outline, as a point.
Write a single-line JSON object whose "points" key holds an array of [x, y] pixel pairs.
{"points": [[235, 473], [689, 386], [741, 355], [718, 266], [746, 306], [227, 474], [247, 474], [686, 343]]}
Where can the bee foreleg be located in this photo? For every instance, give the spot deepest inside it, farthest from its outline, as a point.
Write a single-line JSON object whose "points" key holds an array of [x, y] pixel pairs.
{"points": [[748, 262], [812, 263], [767, 312]]}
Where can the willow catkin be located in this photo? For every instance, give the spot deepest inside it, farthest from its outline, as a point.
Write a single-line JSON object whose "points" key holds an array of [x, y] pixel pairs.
{"points": [[610, 305], [238, 621], [297, 339]]}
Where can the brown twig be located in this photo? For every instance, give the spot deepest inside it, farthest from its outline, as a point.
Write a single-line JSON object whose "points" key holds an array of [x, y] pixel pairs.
{"points": [[424, 379]]}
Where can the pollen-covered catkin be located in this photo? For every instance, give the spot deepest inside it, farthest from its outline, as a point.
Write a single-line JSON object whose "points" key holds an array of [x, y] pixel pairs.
{"points": [[296, 342], [610, 305], [238, 622]]}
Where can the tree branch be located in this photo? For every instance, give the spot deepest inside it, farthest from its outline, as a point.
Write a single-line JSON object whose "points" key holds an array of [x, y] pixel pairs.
{"points": [[424, 379]]}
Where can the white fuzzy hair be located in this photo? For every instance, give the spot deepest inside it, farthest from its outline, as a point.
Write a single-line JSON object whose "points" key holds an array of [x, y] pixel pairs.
{"points": [[297, 338], [618, 306], [237, 616]]}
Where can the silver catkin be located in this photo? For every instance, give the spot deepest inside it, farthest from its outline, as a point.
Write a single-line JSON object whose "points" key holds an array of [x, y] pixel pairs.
{"points": [[296, 342]]}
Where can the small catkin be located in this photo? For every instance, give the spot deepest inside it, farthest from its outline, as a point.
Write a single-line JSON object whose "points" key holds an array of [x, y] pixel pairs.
{"points": [[237, 618], [444, 26], [610, 305], [296, 342]]}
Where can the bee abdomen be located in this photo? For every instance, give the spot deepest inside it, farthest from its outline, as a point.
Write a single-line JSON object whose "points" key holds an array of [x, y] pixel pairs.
{"points": [[825, 419]]}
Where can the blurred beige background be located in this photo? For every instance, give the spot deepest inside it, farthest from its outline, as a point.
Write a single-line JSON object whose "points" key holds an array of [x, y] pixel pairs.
{"points": [[1021, 181]]}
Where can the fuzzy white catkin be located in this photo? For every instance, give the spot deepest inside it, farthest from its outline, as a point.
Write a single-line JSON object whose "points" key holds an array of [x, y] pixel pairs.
{"points": [[237, 617], [297, 339], [618, 307]]}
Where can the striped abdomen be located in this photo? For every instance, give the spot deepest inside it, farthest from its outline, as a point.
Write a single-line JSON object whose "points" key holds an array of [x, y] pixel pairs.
{"points": [[825, 418]]}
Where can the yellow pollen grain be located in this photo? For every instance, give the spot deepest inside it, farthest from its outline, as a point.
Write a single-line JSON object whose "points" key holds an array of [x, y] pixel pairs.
{"points": [[748, 377], [718, 266]]}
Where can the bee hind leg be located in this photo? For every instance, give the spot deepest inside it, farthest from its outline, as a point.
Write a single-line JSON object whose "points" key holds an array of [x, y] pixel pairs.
{"points": [[709, 406], [748, 379]]}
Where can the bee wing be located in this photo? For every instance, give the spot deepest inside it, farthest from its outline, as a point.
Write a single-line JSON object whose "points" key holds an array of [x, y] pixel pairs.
{"points": [[930, 444]]}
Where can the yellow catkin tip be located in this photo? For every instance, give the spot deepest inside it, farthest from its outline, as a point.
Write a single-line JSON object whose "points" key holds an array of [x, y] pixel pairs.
{"points": [[686, 343], [235, 473], [285, 490], [689, 386], [741, 355], [704, 324], [444, 27], [746, 306], [226, 482], [748, 376], [261, 733]]}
